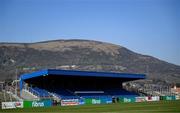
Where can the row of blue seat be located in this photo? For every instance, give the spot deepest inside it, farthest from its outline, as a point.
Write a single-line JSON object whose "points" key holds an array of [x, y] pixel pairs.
{"points": [[39, 92], [64, 93]]}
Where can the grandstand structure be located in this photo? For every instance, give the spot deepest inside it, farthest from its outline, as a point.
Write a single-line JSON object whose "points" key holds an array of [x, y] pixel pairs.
{"points": [[70, 84]]}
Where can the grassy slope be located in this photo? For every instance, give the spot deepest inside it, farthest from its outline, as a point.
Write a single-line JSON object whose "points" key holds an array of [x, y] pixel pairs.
{"points": [[148, 107]]}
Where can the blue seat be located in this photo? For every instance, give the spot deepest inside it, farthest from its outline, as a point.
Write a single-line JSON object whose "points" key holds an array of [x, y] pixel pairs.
{"points": [[40, 92], [84, 93]]}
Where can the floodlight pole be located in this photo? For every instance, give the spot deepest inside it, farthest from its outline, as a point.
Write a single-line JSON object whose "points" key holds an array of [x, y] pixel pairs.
{"points": [[16, 83]]}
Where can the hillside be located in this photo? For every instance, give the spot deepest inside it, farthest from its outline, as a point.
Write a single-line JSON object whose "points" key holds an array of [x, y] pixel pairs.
{"points": [[81, 55]]}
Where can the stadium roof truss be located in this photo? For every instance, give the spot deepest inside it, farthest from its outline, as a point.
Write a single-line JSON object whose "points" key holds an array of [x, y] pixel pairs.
{"points": [[54, 72]]}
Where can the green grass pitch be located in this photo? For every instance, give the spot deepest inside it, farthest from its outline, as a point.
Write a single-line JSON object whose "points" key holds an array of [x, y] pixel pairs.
{"points": [[145, 107]]}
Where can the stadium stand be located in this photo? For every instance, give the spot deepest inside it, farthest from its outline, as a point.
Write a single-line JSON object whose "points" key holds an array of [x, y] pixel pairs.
{"points": [[68, 84], [28, 95]]}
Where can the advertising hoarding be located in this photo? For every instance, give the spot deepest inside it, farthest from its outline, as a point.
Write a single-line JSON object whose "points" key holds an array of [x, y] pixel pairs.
{"points": [[92, 101], [70, 102], [96, 101], [11, 105], [140, 99], [177, 97], [152, 98], [42, 103], [106, 100], [167, 97], [127, 99]]}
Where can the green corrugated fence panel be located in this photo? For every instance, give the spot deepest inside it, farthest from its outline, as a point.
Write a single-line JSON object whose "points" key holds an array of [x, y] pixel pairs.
{"points": [[162, 97], [27, 104], [167, 97], [170, 98], [88, 101]]}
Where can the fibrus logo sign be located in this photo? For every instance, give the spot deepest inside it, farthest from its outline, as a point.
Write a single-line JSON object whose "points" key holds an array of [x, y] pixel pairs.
{"points": [[127, 100], [37, 104], [96, 101], [42, 103]]}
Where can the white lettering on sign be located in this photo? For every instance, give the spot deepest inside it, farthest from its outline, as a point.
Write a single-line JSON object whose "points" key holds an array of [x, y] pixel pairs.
{"points": [[94, 101], [127, 100], [37, 104], [11, 105]]}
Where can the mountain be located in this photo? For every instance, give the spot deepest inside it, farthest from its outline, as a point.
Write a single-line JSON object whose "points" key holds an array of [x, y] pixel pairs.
{"points": [[81, 55]]}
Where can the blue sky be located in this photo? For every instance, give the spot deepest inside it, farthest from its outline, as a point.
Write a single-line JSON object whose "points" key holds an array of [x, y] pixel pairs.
{"points": [[150, 27]]}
